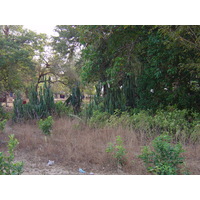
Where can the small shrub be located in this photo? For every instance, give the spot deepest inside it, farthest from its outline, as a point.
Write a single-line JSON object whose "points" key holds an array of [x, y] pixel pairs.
{"points": [[7, 165], [61, 109], [2, 125], [99, 119], [165, 159], [46, 125], [119, 119], [117, 150], [3, 114]]}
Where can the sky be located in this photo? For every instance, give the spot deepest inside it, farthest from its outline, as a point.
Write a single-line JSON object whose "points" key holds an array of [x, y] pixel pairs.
{"points": [[48, 29]]}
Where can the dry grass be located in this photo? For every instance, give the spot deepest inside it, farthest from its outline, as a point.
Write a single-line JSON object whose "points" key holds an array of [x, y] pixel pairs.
{"points": [[74, 144]]}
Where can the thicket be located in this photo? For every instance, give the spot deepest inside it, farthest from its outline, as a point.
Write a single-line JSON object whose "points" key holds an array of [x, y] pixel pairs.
{"points": [[75, 100], [182, 125], [41, 104]]}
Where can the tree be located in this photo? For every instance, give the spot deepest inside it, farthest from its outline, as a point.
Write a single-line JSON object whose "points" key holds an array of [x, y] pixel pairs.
{"points": [[128, 62], [18, 46]]}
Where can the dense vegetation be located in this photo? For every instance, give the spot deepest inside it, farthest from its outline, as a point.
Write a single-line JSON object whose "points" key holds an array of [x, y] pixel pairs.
{"points": [[145, 78]]}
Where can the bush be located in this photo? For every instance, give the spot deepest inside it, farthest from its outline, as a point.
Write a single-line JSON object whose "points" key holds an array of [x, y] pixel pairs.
{"points": [[2, 125], [41, 104], [119, 119], [3, 113], [61, 109], [117, 150], [99, 119], [182, 125], [165, 159], [46, 125], [7, 165]]}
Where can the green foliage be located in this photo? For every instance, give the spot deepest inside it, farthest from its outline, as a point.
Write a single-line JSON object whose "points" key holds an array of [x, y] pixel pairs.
{"points": [[182, 125], [17, 48], [61, 109], [75, 99], [40, 105], [98, 119], [165, 159], [167, 63], [3, 113], [117, 150], [46, 125], [7, 165], [2, 124]]}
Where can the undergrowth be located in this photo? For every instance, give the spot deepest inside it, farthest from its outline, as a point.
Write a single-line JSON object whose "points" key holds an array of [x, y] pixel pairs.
{"points": [[182, 125]]}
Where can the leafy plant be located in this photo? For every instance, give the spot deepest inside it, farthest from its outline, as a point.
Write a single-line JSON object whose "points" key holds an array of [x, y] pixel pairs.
{"points": [[61, 109], [3, 124], [40, 105], [75, 99], [117, 150], [3, 113], [7, 165], [98, 119], [165, 159], [46, 125]]}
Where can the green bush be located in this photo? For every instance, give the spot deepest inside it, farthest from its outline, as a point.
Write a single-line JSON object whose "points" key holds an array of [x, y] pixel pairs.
{"points": [[46, 125], [119, 119], [3, 114], [61, 109], [165, 159], [7, 165], [41, 104], [182, 125], [3, 124], [99, 119], [117, 150]]}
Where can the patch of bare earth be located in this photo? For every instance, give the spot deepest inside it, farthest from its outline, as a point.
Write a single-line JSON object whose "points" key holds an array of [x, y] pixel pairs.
{"points": [[74, 145]]}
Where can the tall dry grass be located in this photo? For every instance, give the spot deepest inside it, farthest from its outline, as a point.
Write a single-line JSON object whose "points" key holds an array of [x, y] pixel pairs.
{"points": [[73, 144]]}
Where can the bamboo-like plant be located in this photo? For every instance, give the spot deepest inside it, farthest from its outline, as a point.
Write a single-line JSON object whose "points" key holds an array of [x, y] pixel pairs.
{"points": [[41, 104]]}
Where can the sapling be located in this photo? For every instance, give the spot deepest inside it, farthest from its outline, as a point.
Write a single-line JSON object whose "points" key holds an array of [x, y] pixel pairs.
{"points": [[46, 125], [117, 150]]}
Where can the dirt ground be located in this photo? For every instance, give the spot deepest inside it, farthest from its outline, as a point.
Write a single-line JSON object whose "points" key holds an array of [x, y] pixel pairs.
{"points": [[36, 166]]}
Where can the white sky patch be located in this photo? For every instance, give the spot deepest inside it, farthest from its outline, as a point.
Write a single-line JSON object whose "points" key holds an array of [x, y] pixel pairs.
{"points": [[48, 29]]}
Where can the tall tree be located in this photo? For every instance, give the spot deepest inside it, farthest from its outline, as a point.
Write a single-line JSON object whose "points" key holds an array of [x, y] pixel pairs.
{"points": [[18, 46]]}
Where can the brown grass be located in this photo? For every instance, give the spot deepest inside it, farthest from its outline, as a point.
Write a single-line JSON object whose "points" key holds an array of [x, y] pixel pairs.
{"points": [[74, 144]]}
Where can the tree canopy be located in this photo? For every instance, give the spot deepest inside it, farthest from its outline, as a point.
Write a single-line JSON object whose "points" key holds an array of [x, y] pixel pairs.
{"points": [[137, 60], [146, 67]]}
